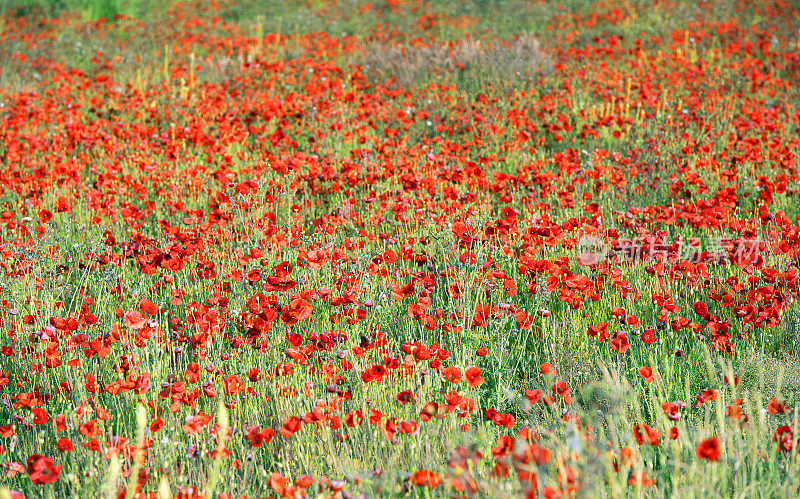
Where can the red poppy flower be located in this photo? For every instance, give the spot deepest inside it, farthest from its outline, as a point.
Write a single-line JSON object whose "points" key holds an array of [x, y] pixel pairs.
{"points": [[41, 469], [135, 319], [709, 449], [425, 478], [462, 232], [290, 426], [453, 375], [428, 411], [619, 342], [39, 415], [644, 432], [647, 374], [156, 425], [405, 397], [473, 377], [776, 407], [671, 410], [354, 418], [533, 396], [409, 427], [64, 444], [297, 310]]}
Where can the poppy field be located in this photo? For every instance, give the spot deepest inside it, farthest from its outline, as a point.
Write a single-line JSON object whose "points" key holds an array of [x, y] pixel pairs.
{"points": [[479, 248]]}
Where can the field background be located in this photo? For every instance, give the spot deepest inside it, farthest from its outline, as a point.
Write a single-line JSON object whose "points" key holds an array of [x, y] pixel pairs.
{"points": [[332, 248]]}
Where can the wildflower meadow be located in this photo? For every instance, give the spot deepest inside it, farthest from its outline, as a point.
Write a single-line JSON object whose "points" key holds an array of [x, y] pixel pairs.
{"points": [[399, 248]]}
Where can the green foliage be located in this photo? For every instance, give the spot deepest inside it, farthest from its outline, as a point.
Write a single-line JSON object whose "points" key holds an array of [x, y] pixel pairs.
{"points": [[90, 9]]}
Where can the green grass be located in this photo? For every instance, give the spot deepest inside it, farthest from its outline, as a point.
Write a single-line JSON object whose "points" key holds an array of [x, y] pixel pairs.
{"points": [[90, 9]]}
